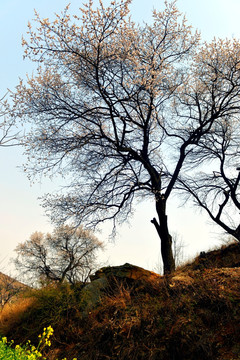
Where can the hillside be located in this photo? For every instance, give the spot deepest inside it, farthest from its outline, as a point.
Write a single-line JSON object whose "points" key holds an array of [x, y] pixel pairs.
{"points": [[129, 313], [9, 289], [6, 279]]}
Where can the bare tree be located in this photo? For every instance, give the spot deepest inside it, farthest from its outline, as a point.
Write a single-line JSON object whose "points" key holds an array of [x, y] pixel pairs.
{"points": [[213, 181], [68, 254], [132, 111], [101, 110]]}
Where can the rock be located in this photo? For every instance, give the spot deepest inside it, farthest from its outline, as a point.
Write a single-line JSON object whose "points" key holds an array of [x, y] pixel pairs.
{"points": [[106, 277], [126, 271], [91, 294]]}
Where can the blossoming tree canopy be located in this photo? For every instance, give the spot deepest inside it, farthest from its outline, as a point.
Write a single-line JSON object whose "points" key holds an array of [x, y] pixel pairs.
{"points": [[118, 108]]}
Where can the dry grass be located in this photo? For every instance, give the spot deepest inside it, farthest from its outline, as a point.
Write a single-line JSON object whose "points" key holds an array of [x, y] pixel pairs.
{"points": [[12, 313]]}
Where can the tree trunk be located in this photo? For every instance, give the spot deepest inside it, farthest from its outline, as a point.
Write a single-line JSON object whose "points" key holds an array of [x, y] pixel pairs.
{"points": [[165, 237]]}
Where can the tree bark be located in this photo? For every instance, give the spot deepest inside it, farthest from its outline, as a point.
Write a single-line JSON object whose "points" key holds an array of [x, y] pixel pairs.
{"points": [[165, 237]]}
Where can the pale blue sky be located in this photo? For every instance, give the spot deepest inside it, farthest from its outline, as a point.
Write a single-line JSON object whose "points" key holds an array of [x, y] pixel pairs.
{"points": [[20, 211]]}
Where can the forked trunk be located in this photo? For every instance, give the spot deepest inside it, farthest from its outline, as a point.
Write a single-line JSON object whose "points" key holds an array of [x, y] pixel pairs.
{"points": [[166, 239]]}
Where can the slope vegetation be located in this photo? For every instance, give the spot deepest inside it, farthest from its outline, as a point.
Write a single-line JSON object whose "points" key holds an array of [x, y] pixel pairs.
{"points": [[193, 314]]}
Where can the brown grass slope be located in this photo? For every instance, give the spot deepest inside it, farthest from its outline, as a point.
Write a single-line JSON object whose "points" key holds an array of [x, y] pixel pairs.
{"points": [[10, 289], [192, 314], [6, 280]]}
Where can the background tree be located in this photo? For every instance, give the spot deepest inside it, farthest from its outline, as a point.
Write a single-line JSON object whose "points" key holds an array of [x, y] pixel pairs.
{"points": [[213, 181], [10, 289], [67, 254], [178, 253]]}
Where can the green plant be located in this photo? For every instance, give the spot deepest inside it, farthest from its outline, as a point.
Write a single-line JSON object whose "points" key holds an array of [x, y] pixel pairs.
{"points": [[27, 351]]}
